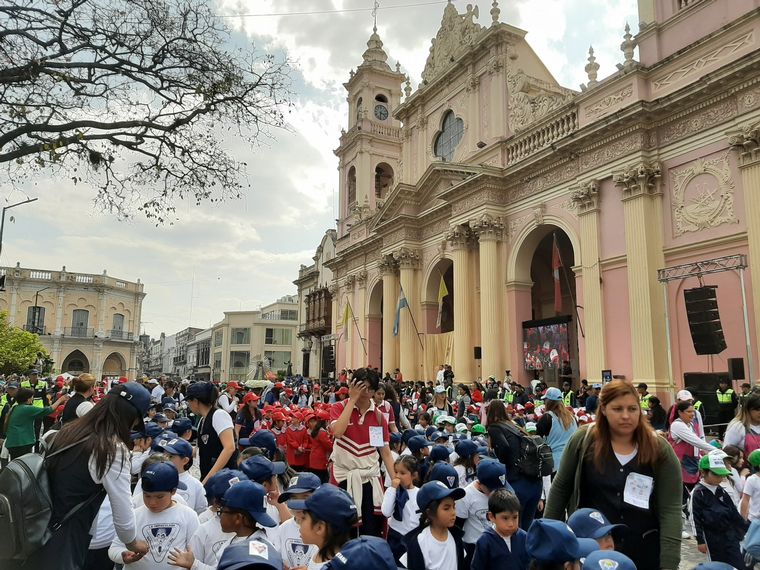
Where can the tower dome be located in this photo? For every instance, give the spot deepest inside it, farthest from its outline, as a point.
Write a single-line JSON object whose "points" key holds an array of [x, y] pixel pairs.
{"points": [[375, 55]]}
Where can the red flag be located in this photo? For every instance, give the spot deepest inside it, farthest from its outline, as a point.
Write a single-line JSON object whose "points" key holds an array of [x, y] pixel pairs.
{"points": [[556, 265]]}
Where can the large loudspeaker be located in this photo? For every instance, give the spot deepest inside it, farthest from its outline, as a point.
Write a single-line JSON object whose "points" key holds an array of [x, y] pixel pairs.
{"points": [[735, 369], [704, 320], [478, 353]]}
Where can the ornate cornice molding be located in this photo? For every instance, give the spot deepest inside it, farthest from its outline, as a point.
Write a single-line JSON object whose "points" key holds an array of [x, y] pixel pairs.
{"points": [[642, 179], [585, 198]]}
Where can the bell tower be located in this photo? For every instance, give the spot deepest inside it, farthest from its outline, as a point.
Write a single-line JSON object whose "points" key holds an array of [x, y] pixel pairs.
{"points": [[370, 150]]}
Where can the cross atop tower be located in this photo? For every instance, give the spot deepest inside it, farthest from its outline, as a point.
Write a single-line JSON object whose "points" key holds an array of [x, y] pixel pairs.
{"points": [[374, 15]]}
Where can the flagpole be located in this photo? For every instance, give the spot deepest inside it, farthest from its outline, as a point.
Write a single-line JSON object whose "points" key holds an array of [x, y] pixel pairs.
{"points": [[411, 316], [356, 324], [569, 290]]}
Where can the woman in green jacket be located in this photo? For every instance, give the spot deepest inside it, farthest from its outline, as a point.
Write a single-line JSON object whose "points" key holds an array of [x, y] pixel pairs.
{"points": [[20, 429], [619, 466]]}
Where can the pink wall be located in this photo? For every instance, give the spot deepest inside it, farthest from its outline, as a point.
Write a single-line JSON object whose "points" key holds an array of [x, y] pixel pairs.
{"points": [[374, 340], [617, 321], [611, 220], [518, 310]]}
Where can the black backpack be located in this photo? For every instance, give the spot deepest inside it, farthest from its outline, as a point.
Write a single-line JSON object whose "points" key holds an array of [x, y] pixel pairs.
{"points": [[26, 505], [536, 458]]}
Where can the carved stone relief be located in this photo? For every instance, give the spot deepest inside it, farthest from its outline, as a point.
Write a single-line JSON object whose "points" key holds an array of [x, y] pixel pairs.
{"points": [[639, 179], [615, 149], [516, 225], [585, 198], [456, 34], [608, 103], [531, 99], [703, 195], [697, 122]]}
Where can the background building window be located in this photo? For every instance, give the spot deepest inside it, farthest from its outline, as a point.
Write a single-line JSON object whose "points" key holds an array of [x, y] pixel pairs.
{"points": [[446, 143], [35, 319], [351, 185], [240, 359], [278, 359], [118, 322], [241, 336], [79, 321], [278, 336], [218, 337]]}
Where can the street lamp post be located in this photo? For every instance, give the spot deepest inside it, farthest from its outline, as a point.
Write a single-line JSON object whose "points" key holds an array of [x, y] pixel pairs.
{"points": [[36, 311], [2, 219]]}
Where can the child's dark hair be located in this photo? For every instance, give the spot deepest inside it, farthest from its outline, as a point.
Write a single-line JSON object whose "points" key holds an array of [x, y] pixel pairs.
{"points": [[503, 501], [318, 426], [334, 538], [249, 452], [428, 513], [426, 416], [470, 467], [153, 459], [409, 462]]}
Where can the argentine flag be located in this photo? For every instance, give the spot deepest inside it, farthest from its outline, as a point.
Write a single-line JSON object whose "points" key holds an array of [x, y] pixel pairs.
{"points": [[401, 304]]}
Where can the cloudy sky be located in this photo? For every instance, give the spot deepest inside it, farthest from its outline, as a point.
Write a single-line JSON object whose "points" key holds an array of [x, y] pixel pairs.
{"points": [[245, 254]]}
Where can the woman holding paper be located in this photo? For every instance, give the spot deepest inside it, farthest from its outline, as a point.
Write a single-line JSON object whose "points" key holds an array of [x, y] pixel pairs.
{"points": [[621, 468]]}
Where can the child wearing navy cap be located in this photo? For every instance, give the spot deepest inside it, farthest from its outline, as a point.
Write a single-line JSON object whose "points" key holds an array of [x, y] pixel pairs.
{"points": [[294, 550], [590, 523], [242, 513], [437, 543], [328, 517], [473, 508], [400, 504], [446, 474], [181, 454], [467, 461], [502, 545], [363, 553], [162, 521], [252, 556], [552, 545], [210, 537], [260, 469], [137, 493]]}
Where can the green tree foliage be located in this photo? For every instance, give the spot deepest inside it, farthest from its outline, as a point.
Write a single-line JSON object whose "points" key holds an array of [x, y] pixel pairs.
{"points": [[18, 348]]}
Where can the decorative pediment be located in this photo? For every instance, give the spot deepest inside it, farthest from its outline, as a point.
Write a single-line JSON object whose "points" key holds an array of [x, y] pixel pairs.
{"points": [[457, 34], [531, 99]]}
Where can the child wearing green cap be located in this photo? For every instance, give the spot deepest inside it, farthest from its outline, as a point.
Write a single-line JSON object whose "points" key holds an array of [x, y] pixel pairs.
{"points": [[750, 506], [718, 525]]}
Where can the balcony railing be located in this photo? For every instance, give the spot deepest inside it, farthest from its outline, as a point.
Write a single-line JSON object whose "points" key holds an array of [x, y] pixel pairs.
{"points": [[79, 332], [35, 329], [120, 335]]}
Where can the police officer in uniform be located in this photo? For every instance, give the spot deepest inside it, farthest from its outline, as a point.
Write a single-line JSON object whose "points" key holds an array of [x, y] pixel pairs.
{"points": [[643, 396], [40, 400], [568, 396], [727, 402]]}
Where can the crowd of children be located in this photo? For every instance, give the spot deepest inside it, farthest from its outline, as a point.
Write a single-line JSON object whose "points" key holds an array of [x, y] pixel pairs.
{"points": [[448, 503]]}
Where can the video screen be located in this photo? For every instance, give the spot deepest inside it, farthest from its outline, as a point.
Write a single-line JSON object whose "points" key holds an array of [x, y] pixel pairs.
{"points": [[545, 344]]}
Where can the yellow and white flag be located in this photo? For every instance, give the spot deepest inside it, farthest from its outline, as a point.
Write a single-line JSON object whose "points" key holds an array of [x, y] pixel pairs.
{"points": [[442, 292]]}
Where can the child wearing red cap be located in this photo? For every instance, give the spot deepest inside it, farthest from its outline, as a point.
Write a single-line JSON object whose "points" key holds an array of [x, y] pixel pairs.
{"points": [[320, 444], [295, 442]]}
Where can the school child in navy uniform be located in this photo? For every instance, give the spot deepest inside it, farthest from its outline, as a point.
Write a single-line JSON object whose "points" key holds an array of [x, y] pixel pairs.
{"points": [[606, 559], [165, 523], [363, 553], [446, 474], [437, 543], [503, 545], [295, 552], [243, 513], [590, 523], [400, 504], [719, 526], [552, 545]]}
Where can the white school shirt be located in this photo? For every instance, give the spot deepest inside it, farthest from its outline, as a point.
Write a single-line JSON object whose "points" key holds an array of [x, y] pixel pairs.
{"points": [[208, 540], [294, 551], [137, 496], [437, 555], [258, 536], [195, 494], [752, 488], [164, 531], [410, 517], [116, 481], [473, 507], [104, 530]]}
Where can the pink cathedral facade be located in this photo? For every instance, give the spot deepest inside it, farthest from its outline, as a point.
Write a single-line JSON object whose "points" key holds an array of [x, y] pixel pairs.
{"points": [[491, 189]]}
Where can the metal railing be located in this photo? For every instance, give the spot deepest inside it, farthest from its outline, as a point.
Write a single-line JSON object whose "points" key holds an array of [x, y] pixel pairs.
{"points": [[79, 332], [115, 334], [36, 329]]}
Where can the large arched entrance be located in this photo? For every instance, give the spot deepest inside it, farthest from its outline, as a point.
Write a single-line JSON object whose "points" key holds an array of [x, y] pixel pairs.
{"points": [[75, 363], [375, 325], [439, 299], [544, 301], [114, 365]]}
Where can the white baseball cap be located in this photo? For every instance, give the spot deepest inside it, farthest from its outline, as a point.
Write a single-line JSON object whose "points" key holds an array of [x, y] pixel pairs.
{"points": [[684, 395]]}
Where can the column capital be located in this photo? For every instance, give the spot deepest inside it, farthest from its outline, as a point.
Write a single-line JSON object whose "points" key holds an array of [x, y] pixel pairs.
{"points": [[407, 258], [350, 282], [333, 288], [747, 142], [361, 278], [488, 227], [641, 179], [585, 197], [388, 265], [459, 236]]}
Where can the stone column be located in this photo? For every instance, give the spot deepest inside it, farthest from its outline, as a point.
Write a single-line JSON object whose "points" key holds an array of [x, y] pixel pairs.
{"points": [[460, 237], [586, 202], [642, 209], [101, 325], [489, 231], [747, 143], [360, 337], [349, 340], [59, 308], [390, 300], [409, 343], [14, 304]]}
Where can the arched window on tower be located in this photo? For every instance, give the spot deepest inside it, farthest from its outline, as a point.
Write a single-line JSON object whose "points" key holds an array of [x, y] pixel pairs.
{"points": [[351, 186], [383, 180], [452, 130], [359, 110]]}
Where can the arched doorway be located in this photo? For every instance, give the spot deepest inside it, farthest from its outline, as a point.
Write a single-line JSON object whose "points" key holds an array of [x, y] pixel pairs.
{"points": [[75, 363], [543, 300], [439, 315], [375, 325], [114, 365]]}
